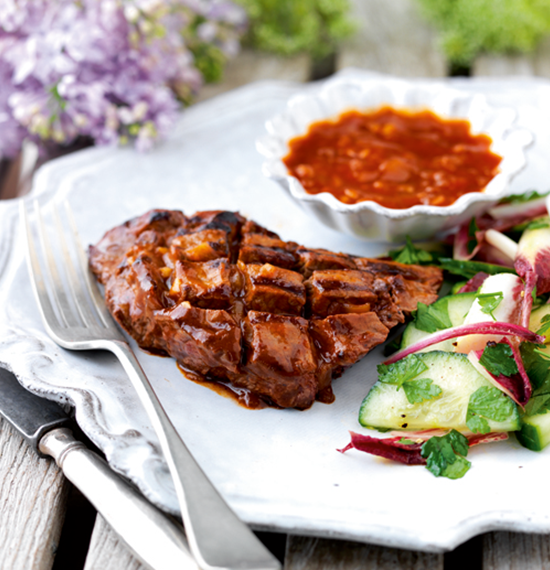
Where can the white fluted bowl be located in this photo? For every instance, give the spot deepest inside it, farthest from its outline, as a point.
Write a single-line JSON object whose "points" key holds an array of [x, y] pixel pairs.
{"points": [[369, 220]]}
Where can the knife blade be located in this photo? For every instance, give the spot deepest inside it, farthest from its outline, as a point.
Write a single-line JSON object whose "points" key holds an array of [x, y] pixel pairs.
{"points": [[151, 535]]}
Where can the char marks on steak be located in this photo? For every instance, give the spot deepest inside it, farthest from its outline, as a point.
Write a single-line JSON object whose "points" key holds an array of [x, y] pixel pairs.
{"points": [[231, 301]]}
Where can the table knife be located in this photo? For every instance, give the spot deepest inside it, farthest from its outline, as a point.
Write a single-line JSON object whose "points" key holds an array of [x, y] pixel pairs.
{"points": [[151, 535]]}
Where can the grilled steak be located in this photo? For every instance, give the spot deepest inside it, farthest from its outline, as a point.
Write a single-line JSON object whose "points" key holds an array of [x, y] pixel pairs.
{"points": [[231, 301]]}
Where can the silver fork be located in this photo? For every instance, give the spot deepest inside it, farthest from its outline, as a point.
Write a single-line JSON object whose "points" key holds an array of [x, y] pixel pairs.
{"points": [[76, 318]]}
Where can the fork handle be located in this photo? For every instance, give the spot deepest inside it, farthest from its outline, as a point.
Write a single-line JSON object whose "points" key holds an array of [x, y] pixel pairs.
{"points": [[217, 537]]}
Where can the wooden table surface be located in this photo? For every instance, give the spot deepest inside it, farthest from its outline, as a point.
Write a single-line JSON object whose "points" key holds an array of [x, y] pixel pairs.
{"points": [[46, 523]]}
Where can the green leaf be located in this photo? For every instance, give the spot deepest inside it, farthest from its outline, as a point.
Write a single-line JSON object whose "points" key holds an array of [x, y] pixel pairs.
{"points": [[535, 364], [432, 318], [498, 358], [468, 28], [289, 27], [393, 345], [401, 371], [404, 373], [477, 424], [411, 255], [406, 441], [472, 239], [57, 97], [545, 322], [522, 198], [538, 403], [538, 224], [489, 302], [418, 391], [487, 403], [445, 455], [470, 268], [537, 368], [456, 470]]}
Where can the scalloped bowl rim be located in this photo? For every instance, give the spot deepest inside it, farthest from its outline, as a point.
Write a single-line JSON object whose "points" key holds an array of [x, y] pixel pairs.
{"points": [[506, 114]]}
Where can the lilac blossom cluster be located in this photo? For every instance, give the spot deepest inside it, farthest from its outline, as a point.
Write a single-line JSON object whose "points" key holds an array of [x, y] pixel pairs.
{"points": [[112, 71]]}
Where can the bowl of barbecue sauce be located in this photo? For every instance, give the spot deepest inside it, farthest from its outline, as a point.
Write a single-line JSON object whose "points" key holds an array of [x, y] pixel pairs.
{"points": [[382, 158]]}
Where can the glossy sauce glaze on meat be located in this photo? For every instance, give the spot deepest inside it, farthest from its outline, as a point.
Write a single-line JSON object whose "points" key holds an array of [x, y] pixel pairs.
{"points": [[233, 302]]}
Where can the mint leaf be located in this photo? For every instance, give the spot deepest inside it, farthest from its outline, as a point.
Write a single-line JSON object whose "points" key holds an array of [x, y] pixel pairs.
{"points": [[445, 455], [411, 255], [522, 198], [403, 374], [489, 302], [401, 371], [535, 363], [487, 403], [545, 325], [539, 403], [536, 366], [470, 268], [432, 318], [419, 390], [457, 469], [477, 424], [498, 358]]}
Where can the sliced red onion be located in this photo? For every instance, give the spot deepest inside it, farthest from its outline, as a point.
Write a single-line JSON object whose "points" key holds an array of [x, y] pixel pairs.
{"points": [[478, 438], [460, 245], [409, 454], [421, 436], [473, 284], [527, 299], [487, 327], [490, 254], [390, 448]]}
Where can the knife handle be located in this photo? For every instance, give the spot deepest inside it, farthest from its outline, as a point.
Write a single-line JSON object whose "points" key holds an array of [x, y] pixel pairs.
{"points": [[150, 534]]}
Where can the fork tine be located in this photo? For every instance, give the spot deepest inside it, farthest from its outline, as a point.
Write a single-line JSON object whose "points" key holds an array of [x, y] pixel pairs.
{"points": [[78, 291], [37, 279], [93, 289], [58, 289]]}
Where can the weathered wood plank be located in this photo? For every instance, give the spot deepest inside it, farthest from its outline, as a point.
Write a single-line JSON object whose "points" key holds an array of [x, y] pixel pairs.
{"points": [[33, 495], [392, 37], [542, 59], [108, 552], [498, 66], [304, 553], [249, 66], [515, 551]]}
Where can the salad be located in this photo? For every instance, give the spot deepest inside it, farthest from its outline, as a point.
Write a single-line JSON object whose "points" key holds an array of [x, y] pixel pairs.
{"points": [[473, 367]]}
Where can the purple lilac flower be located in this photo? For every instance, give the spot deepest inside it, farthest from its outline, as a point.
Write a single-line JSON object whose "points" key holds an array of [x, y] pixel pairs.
{"points": [[110, 70]]}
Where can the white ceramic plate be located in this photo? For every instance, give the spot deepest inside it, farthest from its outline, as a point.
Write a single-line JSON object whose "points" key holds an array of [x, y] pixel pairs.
{"points": [[278, 469]]}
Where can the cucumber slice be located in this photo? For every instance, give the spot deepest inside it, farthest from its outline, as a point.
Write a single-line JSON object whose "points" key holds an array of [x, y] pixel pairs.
{"points": [[456, 306], [385, 407], [535, 431]]}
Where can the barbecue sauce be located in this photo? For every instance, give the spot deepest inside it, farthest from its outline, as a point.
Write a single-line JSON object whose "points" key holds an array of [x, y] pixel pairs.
{"points": [[241, 396], [393, 157]]}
